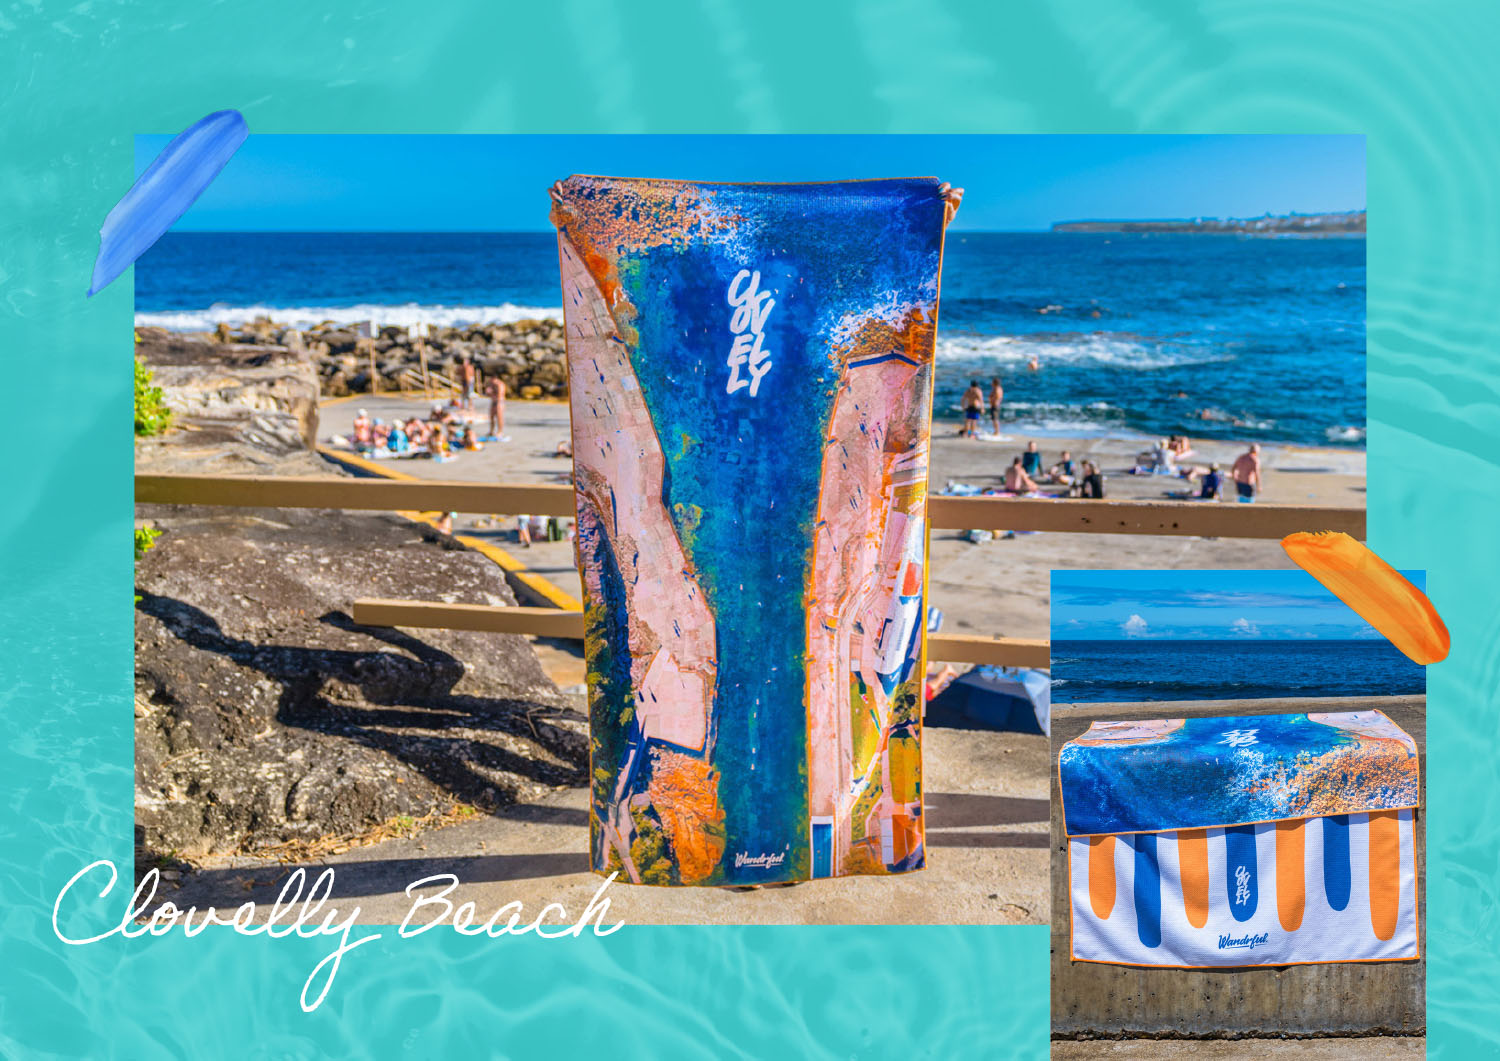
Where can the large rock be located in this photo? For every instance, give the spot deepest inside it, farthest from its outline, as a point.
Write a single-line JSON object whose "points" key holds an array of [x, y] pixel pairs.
{"points": [[237, 406], [523, 353], [264, 715]]}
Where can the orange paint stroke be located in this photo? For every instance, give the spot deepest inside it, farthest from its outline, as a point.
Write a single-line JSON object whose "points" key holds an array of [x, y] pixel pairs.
{"points": [[1192, 865], [1385, 872], [1374, 589], [1102, 876], [1291, 878]]}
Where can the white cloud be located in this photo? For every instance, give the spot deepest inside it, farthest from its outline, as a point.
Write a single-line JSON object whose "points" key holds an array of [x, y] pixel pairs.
{"points": [[1244, 628], [1135, 626]]}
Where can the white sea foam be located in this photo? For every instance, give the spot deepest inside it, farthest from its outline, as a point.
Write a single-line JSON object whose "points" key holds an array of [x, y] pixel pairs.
{"points": [[306, 316], [1058, 419], [1017, 350]]}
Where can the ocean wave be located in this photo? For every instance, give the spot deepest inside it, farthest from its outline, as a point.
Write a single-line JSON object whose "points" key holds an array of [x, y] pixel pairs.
{"points": [[1073, 349], [1345, 434], [306, 316], [1053, 418]]}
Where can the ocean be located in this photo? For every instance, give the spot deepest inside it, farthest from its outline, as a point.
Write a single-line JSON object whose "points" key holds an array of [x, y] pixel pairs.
{"points": [[1149, 334], [1135, 670]]}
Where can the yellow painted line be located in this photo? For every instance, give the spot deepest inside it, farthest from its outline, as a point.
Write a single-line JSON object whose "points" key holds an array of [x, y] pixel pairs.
{"points": [[557, 597], [354, 460], [324, 403], [554, 595]]}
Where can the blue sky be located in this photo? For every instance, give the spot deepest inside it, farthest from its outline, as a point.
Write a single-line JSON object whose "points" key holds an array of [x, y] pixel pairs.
{"points": [[1013, 183], [1272, 605]]}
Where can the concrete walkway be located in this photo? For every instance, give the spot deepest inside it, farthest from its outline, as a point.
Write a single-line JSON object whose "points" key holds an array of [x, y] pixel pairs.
{"points": [[1358, 1049], [987, 862]]}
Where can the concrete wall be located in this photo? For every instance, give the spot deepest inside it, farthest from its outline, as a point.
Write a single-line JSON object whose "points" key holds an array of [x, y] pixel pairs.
{"points": [[1091, 1000]]}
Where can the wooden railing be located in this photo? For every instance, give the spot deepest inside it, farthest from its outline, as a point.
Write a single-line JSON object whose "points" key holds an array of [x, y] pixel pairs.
{"points": [[1200, 518], [1205, 519]]}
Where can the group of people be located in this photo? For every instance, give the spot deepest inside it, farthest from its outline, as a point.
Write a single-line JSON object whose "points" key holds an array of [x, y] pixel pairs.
{"points": [[1163, 458], [448, 427], [1025, 474], [973, 402], [438, 436], [1167, 456]]}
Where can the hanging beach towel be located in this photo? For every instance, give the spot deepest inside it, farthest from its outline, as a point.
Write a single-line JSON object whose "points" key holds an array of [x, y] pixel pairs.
{"points": [[750, 383], [750, 369], [1258, 840]]}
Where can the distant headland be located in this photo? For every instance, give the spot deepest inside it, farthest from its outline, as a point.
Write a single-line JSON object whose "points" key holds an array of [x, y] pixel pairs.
{"points": [[1347, 223]]}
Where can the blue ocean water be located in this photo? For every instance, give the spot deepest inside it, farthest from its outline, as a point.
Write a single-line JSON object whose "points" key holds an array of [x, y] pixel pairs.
{"points": [[1144, 334], [1135, 670]]}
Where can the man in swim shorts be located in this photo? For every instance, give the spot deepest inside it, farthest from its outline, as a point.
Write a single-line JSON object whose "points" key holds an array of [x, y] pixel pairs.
{"points": [[973, 404], [1246, 473], [494, 390]]}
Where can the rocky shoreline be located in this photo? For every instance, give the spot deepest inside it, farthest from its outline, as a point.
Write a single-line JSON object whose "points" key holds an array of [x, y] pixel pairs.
{"points": [[529, 355], [1345, 223]]}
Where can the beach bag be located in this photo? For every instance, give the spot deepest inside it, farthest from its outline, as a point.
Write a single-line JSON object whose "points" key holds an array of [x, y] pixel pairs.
{"points": [[1257, 840], [750, 374]]}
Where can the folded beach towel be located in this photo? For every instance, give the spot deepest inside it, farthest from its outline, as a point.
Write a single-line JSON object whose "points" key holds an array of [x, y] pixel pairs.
{"points": [[751, 388], [1257, 840]]}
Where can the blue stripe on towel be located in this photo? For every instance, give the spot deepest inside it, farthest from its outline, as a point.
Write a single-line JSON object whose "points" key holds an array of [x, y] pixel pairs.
{"points": [[1147, 890], [1336, 860], [1240, 871]]}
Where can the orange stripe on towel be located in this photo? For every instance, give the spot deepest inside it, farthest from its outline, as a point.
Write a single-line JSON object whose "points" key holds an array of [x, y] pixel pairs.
{"points": [[1291, 877], [1102, 876], [1385, 872], [1374, 589], [1192, 864]]}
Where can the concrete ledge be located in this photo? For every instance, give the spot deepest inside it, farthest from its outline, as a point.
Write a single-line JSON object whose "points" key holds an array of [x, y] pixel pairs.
{"points": [[1106, 1002]]}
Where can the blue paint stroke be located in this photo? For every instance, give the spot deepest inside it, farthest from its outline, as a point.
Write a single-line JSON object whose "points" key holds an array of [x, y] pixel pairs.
{"points": [[163, 193], [1240, 877], [1147, 890], [1336, 876]]}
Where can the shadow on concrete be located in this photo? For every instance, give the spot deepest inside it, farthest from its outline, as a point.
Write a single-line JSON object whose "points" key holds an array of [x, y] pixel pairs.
{"points": [[947, 812]]}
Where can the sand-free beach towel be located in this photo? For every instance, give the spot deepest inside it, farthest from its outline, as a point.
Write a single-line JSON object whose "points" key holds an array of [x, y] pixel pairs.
{"points": [[750, 369], [1259, 840]]}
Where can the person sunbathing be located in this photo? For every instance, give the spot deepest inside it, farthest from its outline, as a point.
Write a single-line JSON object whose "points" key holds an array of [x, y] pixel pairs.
{"points": [[364, 432], [1031, 460], [1063, 471], [1159, 460], [1091, 481], [1213, 484], [1180, 447], [470, 440], [417, 431], [1016, 479], [396, 441]]}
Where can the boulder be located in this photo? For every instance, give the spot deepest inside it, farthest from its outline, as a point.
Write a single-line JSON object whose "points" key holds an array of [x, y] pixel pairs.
{"points": [[265, 715], [236, 406]]}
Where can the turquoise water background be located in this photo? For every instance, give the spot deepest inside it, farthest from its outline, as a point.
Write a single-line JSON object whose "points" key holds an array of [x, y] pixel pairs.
{"points": [[1419, 80]]}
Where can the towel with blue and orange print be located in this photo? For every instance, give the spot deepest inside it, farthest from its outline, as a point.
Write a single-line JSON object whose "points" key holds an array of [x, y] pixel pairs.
{"points": [[1256, 840]]}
